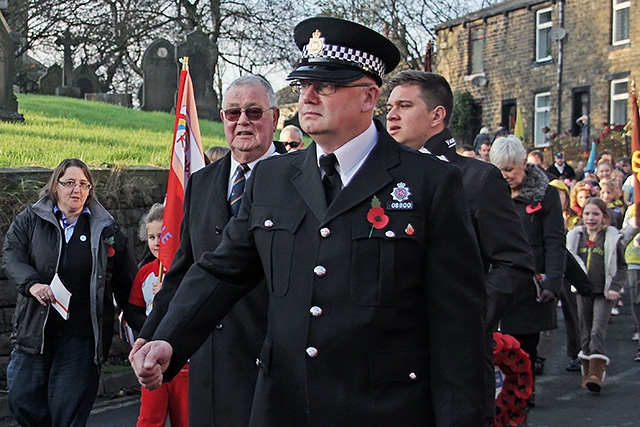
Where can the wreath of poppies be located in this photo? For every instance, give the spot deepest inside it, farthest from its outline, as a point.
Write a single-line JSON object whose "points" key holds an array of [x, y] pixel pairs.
{"points": [[515, 366]]}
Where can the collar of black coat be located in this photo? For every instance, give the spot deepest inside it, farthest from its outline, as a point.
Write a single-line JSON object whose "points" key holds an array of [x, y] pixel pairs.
{"points": [[442, 144], [534, 184]]}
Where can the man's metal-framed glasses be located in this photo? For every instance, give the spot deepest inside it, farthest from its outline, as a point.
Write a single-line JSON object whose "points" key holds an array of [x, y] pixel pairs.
{"points": [[72, 184], [253, 113], [321, 88]]}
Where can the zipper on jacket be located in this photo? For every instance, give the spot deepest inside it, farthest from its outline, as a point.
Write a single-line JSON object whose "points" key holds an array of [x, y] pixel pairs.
{"points": [[46, 317]]}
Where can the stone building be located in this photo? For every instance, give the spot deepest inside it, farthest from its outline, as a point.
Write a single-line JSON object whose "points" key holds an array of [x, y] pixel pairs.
{"points": [[552, 61]]}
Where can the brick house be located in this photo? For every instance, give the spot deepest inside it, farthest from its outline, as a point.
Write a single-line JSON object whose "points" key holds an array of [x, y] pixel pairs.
{"points": [[551, 60]]}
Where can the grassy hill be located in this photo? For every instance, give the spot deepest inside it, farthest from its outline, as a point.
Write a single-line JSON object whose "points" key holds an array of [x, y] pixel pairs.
{"points": [[100, 134]]}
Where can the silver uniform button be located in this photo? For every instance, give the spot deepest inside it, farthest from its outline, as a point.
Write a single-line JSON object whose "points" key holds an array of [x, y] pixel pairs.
{"points": [[315, 311], [258, 363], [268, 223], [312, 352], [413, 376], [320, 271], [325, 232], [390, 234]]}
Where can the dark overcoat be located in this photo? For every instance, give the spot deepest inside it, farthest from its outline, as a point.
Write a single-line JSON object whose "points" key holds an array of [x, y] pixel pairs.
{"points": [[366, 326], [538, 206], [504, 246], [222, 374]]}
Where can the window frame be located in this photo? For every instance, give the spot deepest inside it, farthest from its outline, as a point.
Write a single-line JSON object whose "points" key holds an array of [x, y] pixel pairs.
{"points": [[473, 38], [618, 97], [537, 126], [617, 6], [543, 28]]}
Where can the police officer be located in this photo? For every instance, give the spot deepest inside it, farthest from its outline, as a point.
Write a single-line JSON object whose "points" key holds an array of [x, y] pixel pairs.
{"points": [[363, 328]]}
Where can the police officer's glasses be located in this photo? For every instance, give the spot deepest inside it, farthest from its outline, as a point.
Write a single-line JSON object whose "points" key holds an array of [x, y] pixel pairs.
{"points": [[253, 113], [321, 88], [69, 185]]}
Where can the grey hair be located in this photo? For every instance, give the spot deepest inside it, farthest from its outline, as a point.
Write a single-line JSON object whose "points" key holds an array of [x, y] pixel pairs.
{"points": [[254, 80], [506, 151], [155, 214], [294, 129]]}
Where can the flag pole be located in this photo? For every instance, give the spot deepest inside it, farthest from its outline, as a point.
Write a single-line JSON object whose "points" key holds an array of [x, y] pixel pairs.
{"points": [[635, 148]]}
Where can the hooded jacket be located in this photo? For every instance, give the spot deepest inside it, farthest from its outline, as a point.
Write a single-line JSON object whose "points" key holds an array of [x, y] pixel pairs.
{"points": [[615, 271], [32, 250]]}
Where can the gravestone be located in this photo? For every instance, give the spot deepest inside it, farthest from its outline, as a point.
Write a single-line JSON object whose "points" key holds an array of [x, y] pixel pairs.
{"points": [[160, 77], [121, 99], [200, 52], [67, 88], [8, 100], [86, 79], [51, 80]]}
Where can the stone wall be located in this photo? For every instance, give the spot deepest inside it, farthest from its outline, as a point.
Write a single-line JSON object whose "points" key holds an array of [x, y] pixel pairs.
{"points": [[127, 195], [589, 61]]}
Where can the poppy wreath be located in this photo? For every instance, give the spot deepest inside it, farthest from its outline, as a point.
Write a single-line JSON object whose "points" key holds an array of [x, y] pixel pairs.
{"points": [[514, 363]]}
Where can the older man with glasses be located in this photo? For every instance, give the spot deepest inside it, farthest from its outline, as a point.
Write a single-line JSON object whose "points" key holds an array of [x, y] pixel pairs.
{"points": [[291, 138], [224, 365]]}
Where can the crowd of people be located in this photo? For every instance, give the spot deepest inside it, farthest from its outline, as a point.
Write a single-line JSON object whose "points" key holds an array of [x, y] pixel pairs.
{"points": [[326, 285]]}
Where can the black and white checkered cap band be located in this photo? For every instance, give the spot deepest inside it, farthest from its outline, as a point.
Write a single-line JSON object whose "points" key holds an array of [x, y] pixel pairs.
{"points": [[364, 60]]}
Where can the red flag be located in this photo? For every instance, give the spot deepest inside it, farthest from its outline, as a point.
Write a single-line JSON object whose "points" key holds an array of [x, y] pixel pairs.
{"points": [[186, 157], [635, 149]]}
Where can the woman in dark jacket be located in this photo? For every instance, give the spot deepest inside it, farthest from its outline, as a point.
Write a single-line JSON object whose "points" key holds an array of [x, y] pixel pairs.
{"points": [[538, 205], [67, 235]]}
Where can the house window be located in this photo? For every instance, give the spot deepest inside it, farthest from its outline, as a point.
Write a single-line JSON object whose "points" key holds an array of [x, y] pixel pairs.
{"points": [[476, 50], [620, 24], [543, 40], [543, 109], [619, 96]]}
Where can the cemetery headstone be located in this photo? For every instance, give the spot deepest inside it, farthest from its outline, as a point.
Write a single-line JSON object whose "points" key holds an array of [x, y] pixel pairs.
{"points": [[51, 80], [160, 77], [8, 100], [200, 52], [86, 79]]}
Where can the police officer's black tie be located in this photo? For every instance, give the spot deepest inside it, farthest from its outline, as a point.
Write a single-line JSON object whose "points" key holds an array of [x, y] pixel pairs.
{"points": [[238, 188], [331, 182]]}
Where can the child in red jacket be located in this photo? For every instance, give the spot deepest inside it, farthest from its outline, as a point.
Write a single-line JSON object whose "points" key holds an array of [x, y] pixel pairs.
{"points": [[171, 397]]}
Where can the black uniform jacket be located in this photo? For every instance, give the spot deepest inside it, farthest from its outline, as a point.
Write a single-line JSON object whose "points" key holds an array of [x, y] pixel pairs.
{"points": [[504, 246], [366, 326], [222, 372]]}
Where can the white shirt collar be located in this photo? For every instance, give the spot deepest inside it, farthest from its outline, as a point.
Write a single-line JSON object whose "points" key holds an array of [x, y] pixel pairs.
{"points": [[352, 155]]}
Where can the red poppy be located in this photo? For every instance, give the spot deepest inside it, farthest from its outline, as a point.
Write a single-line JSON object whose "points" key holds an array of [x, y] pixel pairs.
{"points": [[590, 243], [377, 218], [533, 208], [110, 251], [109, 245]]}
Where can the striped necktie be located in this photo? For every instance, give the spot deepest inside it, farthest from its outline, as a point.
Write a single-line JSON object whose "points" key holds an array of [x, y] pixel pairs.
{"points": [[238, 188]]}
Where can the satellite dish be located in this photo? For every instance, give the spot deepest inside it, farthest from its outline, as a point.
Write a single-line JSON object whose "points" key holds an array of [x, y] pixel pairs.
{"points": [[479, 81], [557, 33]]}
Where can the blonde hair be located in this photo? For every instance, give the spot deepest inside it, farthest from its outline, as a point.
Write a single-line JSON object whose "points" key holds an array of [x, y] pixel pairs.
{"points": [[580, 186]]}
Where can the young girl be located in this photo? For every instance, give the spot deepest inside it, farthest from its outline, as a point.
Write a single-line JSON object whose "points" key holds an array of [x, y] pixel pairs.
{"points": [[608, 194], [171, 397], [598, 249], [579, 195]]}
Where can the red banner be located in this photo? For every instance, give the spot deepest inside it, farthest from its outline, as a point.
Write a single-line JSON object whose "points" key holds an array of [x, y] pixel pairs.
{"points": [[187, 157]]}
